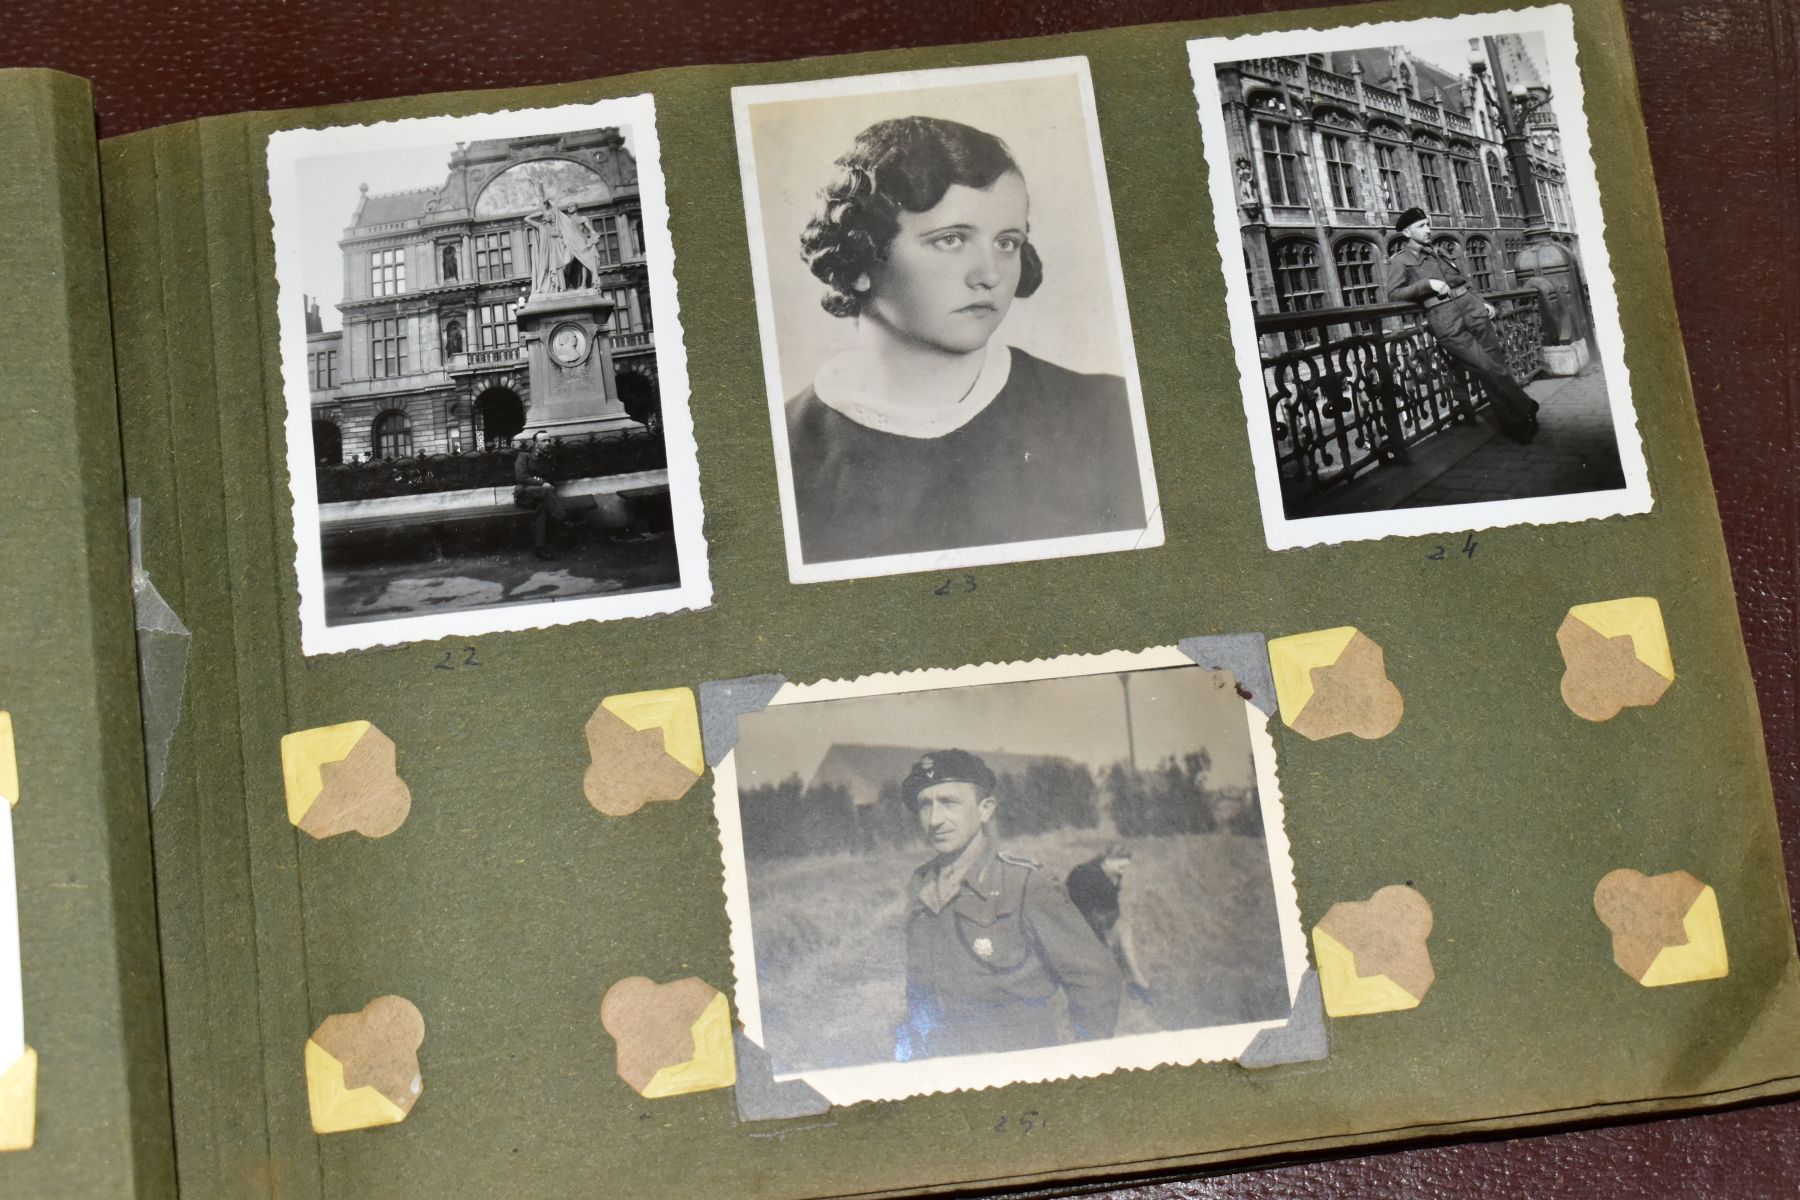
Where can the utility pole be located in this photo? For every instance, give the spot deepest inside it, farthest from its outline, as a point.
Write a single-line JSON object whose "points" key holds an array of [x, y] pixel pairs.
{"points": [[1130, 733]]}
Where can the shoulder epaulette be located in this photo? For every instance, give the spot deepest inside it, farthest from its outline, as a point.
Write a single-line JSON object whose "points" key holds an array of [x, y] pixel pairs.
{"points": [[1019, 860]]}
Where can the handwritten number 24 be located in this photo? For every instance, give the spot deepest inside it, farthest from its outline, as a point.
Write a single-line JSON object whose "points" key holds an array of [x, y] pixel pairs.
{"points": [[1468, 548]]}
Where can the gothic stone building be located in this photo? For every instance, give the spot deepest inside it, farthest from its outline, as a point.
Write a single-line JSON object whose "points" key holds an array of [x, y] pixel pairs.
{"points": [[429, 358], [1328, 149]]}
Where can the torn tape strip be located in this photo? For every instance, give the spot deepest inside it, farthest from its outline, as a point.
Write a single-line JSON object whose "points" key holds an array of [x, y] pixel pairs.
{"points": [[162, 642]]}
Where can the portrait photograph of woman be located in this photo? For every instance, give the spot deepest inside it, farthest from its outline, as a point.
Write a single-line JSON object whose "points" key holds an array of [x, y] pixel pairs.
{"points": [[945, 341]]}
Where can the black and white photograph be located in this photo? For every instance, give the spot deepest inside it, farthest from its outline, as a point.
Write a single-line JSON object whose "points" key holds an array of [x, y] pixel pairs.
{"points": [[989, 875], [1420, 298], [487, 397], [946, 349]]}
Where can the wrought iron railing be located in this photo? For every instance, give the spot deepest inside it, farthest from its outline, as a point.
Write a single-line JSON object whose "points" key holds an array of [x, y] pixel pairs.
{"points": [[612, 452], [1350, 389]]}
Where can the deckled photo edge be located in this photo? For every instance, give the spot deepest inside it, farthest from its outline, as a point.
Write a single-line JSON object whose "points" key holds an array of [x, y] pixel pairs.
{"points": [[283, 150], [1555, 23], [854, 1085]]}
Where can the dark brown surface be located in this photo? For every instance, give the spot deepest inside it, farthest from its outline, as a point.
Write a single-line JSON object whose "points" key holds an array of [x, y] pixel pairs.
{"points": [[1720, 101]]}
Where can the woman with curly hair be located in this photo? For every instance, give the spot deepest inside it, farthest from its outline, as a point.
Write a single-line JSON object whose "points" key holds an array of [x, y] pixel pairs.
{"points": [[932, 433]]}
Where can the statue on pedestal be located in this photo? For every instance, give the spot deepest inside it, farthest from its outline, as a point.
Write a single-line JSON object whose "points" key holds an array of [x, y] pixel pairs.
{"points": [[561, 239]]}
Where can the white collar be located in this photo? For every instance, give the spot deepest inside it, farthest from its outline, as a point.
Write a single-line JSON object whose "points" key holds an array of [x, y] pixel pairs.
{"points": [[843, 386]]}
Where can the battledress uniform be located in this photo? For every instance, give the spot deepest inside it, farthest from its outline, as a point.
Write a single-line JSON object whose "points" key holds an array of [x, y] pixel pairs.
{"points": [[988, 946], [1460, 323], [531, 490]]}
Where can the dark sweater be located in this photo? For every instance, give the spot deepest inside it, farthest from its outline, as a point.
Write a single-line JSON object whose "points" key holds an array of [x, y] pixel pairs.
{"points": [[1051, 456]]}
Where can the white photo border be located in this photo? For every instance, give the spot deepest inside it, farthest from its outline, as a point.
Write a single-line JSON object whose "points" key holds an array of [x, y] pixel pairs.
{"points": [[743, 99], [285, 150], [1555, 23], [895, 1081]]}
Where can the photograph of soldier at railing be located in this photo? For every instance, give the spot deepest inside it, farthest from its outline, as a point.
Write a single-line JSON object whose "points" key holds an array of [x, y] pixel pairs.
{"points": [[1006, 867], [1412, 256], [486, 416]]}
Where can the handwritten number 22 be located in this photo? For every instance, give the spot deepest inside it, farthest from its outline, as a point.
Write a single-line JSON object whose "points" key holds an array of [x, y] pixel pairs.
{"points": [[445, 663]]}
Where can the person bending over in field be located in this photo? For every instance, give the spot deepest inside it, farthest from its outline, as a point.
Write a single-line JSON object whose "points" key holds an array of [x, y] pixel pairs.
{"points": [[991, 937], [1096, 888]]}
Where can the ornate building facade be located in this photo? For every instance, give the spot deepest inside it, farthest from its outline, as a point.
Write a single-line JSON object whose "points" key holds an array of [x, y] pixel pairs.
{"points": [[429, 358], [1328, 149]]}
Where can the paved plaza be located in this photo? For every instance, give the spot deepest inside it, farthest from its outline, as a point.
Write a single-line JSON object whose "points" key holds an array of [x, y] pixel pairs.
{"points": [[1574, 451], [592, 565]]}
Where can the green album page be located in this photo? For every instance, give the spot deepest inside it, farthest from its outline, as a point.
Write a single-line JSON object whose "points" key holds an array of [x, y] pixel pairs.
{"points": [[69, 679]]}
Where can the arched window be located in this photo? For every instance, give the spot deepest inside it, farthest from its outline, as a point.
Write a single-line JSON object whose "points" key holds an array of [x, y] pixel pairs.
{"points": [[1467, 194], [453, 337], [1447, 249], [1340, 170], [1356, 259], [498, 417], [1481, 269], [328, 444], [1281, 171], [449, 263], [1431, 175], [638, 393], [1506, 197], [1392, 177], [1297, 275], [393, 435]]}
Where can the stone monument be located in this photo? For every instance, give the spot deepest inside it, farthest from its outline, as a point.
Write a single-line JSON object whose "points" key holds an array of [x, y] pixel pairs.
{"points": [[574, 389]]}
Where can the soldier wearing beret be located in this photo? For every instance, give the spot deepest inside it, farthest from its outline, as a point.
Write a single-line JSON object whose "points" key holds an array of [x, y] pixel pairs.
{"points": [[1460, 320], [991, 937]]}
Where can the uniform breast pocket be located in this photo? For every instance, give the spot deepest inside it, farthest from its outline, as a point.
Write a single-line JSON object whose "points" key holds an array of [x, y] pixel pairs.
{"points": [[998, 944]]}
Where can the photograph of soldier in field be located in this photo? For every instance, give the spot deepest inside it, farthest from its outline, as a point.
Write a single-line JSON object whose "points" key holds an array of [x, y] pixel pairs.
{"points": [[1010, 868], [991, 937]]}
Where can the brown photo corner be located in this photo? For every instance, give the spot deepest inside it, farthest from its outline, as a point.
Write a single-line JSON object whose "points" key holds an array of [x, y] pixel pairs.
{"points": [[1720, 102]]}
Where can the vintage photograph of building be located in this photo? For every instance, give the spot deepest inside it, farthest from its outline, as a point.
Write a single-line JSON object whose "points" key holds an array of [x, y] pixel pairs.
{"points": [[494, 409], [973, 877], [1423, 310]]}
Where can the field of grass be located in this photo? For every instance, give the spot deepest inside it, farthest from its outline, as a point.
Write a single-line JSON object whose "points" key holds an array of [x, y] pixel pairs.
{"points": [[831, 943]]}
